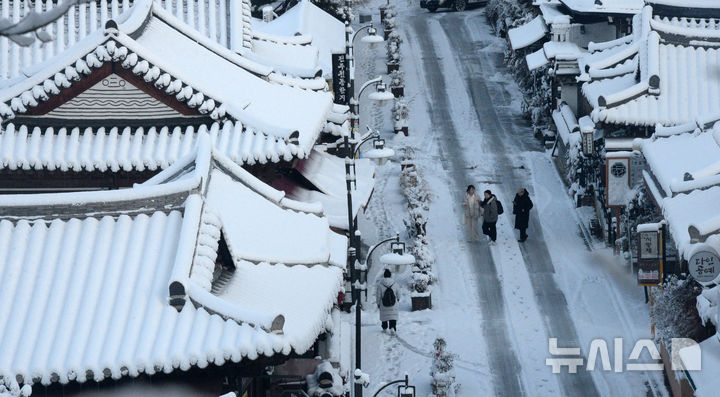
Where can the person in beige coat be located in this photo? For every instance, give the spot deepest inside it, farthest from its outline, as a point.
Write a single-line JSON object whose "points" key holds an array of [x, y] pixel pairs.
{"points": [[473, 212]]}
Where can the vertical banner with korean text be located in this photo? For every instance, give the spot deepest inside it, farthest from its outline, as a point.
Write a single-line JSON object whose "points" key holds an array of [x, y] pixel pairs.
{"points": [[340, 75]]}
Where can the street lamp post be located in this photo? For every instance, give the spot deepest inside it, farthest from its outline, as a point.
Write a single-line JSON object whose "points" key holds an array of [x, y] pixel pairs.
{"points": [[381, 94], [351, 150]]}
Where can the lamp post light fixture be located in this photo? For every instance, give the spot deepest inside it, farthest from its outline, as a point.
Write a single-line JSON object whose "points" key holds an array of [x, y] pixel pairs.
{"points": [[381, 94]]}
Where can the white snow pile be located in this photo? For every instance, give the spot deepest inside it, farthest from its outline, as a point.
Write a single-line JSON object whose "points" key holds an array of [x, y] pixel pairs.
{"points": [[325, 380]]}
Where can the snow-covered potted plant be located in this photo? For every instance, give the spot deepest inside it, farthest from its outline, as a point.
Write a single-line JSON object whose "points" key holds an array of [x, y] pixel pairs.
{"points": [[420, 295], [401, 115], [397, 83], [386, 13], [393, 57], [443, 371]]}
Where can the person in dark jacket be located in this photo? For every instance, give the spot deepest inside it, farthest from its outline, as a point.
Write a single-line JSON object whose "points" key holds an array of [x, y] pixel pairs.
{"points": [[490, 216], [521, 208]]}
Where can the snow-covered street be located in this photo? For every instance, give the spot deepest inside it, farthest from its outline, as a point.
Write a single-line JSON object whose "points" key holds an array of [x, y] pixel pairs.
{"points": [[497, 306]]}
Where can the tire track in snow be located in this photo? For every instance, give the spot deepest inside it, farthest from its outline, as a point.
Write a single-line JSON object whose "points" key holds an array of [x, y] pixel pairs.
{"points": [[506, 139], [502, 358]]}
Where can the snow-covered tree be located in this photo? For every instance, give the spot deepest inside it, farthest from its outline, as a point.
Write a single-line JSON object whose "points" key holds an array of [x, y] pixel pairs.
{"points": [[28, 28], [674, 311], [443, 371]]}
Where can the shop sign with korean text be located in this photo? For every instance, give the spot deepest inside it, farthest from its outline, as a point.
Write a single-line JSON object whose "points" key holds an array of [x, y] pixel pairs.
{"points": [[618, 180], [704, 265], [649, 255]]}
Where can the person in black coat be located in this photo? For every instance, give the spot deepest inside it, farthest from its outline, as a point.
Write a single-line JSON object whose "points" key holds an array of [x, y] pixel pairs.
{"points": [[521, 208]]}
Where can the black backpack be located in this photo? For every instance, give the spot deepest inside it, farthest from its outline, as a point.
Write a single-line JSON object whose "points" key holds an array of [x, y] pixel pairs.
{"points": [[500, 208], [388, 298]]}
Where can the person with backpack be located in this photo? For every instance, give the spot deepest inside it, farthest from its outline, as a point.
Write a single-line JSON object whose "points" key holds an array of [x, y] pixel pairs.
{"points": [[521, 208], [492, 208], [387, 296]]}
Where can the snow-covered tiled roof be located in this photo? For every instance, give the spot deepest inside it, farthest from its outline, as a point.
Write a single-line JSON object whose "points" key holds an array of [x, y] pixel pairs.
{"points": [[660, 76], [291, 59], [153, 45], [115, 149], [86, 295], [322, 170], [693, 208], [226, 22], [604, 6], [671, 158], [305, 21]]}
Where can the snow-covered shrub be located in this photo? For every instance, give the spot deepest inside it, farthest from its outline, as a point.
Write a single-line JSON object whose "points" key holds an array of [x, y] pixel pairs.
{"points": [[675, 313], [420, 282], [400, 113], [397, 79], [417, 194], [443, 371], [393, 42]]}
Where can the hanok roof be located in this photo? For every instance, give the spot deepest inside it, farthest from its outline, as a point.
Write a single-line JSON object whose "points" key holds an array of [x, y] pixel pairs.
{"points": [[666, 73], [170, 57], [131, 148], [684, 179], [303, 23], [86, 275], [604, 7], [226, 22], [325, 171]]}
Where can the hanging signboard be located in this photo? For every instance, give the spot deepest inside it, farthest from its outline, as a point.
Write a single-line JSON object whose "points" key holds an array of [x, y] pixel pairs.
{"points": [[340, 76], [704, 265], [617, 171], [649, 255]]}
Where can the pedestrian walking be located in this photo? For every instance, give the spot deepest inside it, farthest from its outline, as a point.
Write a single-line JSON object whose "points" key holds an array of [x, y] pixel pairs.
{"points": [[491, 211], [473, 211], [387, 296], [521, 208]]}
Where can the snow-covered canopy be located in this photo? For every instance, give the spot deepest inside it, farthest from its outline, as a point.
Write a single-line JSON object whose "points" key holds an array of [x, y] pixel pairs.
{"points": [[677, 80], [166, 53], [303, 23], [527, 34], [87, 277]]}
